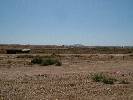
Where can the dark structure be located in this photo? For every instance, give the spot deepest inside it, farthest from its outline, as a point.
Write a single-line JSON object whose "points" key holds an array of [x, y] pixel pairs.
{"points": [[17, 51]]}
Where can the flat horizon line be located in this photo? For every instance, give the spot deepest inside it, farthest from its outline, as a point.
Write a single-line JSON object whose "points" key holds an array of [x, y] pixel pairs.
{"points": [[68, 45]]}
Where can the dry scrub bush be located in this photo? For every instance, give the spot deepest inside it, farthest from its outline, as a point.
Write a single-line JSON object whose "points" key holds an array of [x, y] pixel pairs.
{"points": [[45, 61], [102, 78]]}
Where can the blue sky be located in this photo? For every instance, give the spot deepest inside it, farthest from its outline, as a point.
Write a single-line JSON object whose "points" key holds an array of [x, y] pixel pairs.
{"points": [[88, 22]]}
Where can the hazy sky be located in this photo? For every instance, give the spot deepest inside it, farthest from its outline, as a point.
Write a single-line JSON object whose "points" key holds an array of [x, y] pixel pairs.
{"points": [[89, 22]]}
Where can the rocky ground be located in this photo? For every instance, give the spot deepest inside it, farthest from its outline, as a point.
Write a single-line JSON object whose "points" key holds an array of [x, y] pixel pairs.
{"points": [[21, 80]]}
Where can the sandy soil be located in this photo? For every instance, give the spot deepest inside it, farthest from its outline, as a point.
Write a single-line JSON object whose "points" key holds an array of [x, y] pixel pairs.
{"points": [[20, 80]]}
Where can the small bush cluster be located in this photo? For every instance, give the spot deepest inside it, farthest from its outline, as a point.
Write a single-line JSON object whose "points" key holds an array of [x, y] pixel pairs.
{"points": [[45, 61], [124, 82], [36, 60], [131, 55], [102, 78]]}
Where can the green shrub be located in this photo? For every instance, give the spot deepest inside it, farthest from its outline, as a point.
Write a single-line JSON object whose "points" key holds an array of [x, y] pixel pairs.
{"points": [[102, 78], [131, 55], [108, 80], [98, 77], [45, 61], [129, 51], [58, 63], [124, 82], [48, 61], [36, 60]]}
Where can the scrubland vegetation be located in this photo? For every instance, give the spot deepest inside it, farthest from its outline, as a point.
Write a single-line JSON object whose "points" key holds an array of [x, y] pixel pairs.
{"points": [[54, 76]]}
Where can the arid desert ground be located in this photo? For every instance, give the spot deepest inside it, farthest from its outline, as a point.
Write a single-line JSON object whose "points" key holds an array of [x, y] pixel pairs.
{"points": [[22, 80]]}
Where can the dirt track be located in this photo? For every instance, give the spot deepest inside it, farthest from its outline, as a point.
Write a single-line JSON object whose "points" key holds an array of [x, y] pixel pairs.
{"points": [[20, 80]]}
